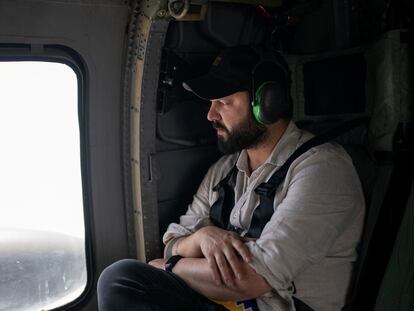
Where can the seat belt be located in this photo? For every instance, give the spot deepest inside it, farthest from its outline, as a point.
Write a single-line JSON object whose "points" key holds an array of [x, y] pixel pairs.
{"points": [[220, 212], [221, 209]]}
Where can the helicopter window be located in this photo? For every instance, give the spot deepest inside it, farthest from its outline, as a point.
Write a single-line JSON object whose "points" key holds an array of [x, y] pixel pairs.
{"points": [[42, 227]]}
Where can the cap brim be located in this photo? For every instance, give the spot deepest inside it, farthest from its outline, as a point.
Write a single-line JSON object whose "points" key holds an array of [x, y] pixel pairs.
{"points": [[209, 87]]}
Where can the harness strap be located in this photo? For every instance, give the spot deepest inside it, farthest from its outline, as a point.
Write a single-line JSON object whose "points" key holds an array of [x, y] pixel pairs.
{"points": [[221, 209], [267, 190]]}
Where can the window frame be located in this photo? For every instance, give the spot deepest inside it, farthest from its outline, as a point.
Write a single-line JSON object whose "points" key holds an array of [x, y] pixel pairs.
{"points": [[67, 56]]}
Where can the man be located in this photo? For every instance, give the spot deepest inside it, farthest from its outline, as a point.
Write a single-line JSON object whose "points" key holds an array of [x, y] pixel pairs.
{"points": [[300, 257]]}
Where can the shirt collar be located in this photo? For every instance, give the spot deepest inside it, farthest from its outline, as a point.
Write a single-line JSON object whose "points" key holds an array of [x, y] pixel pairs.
{"points": [[287, 144]]}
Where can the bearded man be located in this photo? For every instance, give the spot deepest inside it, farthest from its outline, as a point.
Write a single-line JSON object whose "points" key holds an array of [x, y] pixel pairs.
{"points": [[253, 238]]}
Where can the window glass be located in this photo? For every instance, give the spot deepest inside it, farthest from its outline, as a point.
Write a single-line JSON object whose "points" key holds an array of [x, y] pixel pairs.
{"points": [[42, 236]]}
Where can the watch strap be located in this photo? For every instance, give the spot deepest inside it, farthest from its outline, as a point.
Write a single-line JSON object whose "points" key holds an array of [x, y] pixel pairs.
{"points": [[171, 262]]}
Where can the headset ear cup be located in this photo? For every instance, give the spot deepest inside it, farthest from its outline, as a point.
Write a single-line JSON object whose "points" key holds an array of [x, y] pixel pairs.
{"points": [[256, 107], [273, 102]]}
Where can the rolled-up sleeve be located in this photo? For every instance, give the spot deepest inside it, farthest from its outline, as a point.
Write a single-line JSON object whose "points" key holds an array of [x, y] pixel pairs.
{"points": [[318, 200]]}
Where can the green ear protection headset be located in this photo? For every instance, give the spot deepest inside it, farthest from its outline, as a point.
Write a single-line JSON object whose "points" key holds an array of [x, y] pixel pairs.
{"points": [[270, 91]]}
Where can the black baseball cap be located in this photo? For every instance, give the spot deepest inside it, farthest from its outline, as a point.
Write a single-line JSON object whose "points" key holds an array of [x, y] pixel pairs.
{"points": [[230, 72]]}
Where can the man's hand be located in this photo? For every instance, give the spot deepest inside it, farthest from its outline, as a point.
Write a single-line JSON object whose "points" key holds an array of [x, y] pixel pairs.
{"points": [[224, 251], [158, 263], [197, 274]]}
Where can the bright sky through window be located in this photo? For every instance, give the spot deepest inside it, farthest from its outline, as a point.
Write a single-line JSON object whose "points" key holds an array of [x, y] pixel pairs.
{"points": [[40, 173]]}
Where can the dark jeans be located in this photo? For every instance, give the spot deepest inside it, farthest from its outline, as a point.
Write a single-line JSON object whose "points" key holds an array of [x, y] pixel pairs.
{"points": [[129, 285]]}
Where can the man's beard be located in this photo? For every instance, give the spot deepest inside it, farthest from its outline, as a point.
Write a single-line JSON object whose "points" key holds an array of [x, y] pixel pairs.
{"points": [[246, 135]]}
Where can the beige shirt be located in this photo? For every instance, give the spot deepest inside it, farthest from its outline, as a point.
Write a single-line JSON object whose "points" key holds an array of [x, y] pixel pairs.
{"points": [[312, 236]]}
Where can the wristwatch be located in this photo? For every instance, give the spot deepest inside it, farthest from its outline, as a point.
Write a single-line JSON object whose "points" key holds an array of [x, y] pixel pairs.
{"points": [[171, 262]]}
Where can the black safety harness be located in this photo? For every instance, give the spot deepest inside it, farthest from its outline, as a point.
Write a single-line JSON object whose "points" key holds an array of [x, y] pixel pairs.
{"points": [[221, 209]]}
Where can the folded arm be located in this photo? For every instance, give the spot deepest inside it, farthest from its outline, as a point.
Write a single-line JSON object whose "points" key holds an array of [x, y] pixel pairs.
{"points": [[197, 273], [216, 265], [224, 251]]}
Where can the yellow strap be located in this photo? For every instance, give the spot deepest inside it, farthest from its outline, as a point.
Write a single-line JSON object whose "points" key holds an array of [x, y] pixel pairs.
{"points": [[233, 305]]}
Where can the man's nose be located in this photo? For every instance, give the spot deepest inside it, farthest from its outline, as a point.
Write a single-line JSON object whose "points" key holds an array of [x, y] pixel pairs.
{"points": [[213, 114]]}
